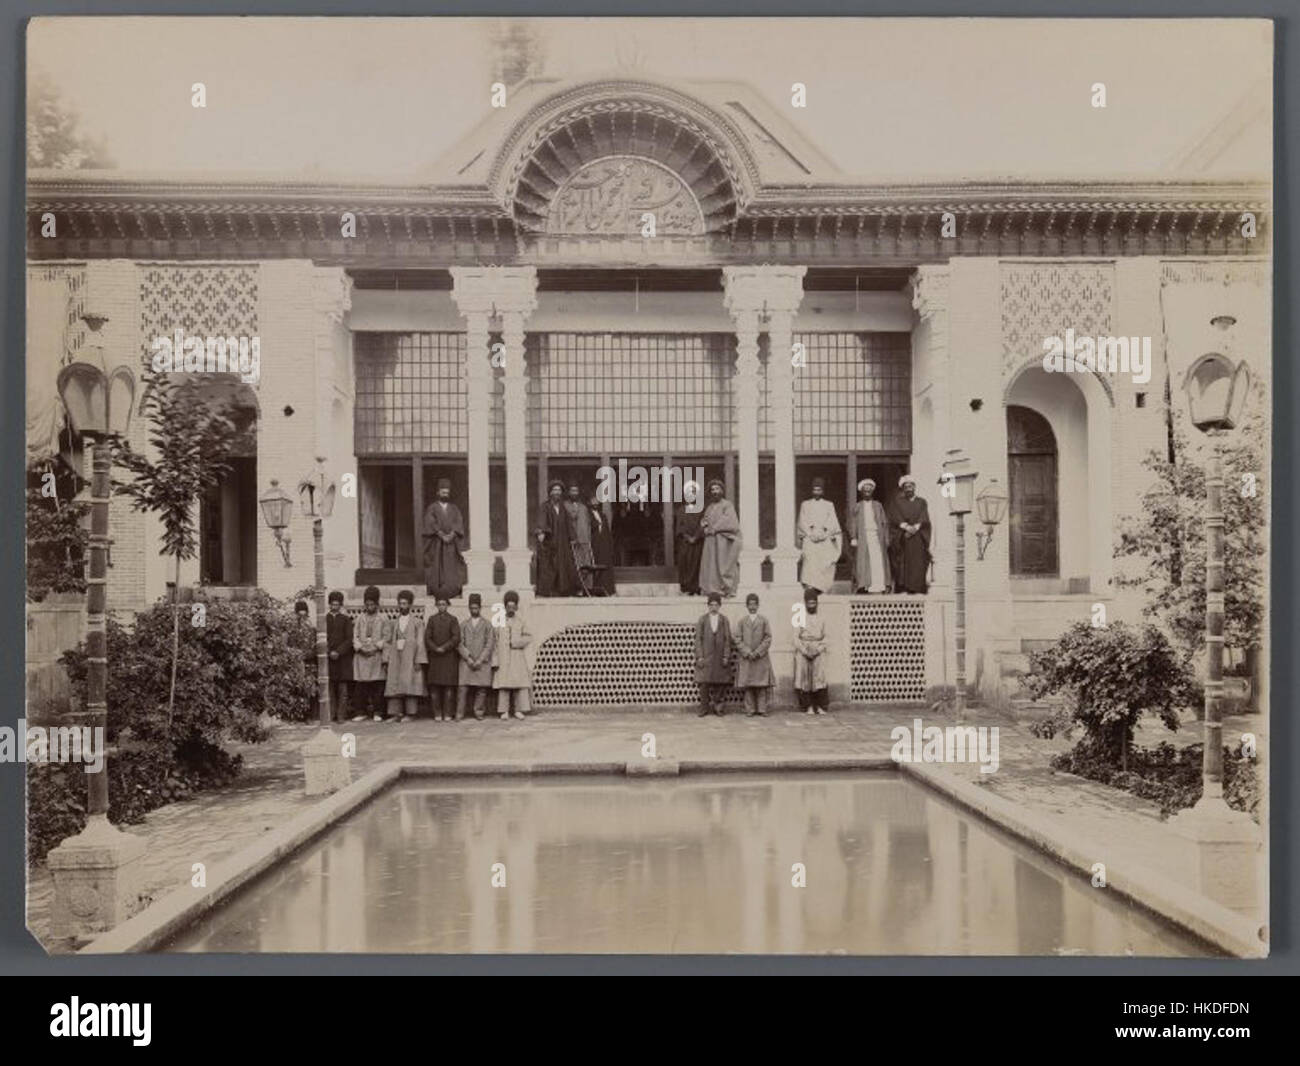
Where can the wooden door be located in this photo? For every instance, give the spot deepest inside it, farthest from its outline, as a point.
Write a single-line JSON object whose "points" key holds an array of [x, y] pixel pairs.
{"points": [[1033, 514]]}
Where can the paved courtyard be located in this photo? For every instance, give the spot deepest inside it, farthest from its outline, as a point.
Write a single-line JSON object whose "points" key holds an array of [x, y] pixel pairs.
{"points": [[213, 826]]}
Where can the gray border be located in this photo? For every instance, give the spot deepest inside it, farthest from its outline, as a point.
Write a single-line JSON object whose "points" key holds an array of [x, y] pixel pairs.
{"points": [[20, 954]]}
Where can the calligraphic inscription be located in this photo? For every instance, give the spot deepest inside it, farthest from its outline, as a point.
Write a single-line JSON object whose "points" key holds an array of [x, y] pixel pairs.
{"points": [[609, 196]]}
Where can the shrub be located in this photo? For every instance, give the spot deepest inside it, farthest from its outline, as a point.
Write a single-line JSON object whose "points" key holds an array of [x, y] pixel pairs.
{"points": [[244, 663], [56, 535], [1112, 675], [139, 780], [1169, 775]]}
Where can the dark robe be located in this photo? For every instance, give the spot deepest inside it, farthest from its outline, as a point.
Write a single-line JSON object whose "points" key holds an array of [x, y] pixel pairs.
{"points": [[556, 574], [444, 561], [911, 554], [442, 642], [602, 550], [338, 638], [713, 651], [689, 544]]}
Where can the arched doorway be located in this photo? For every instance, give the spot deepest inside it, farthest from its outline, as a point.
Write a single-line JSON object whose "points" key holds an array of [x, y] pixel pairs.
{"points": [[1033, 515], [228, 512]]}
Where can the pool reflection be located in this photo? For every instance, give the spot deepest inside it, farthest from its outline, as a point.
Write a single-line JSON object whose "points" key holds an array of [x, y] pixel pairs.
{"points": [[694, 864]]}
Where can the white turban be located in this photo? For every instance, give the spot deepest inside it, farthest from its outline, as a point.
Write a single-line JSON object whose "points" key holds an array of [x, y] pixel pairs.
{"points": [[905, 479], [866, 482]]}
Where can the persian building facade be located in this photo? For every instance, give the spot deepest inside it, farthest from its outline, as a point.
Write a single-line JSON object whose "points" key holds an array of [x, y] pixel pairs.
{"points": [[380, 307]]}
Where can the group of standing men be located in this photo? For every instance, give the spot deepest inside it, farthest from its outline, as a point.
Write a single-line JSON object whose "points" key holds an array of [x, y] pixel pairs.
{"points": [[575, 547], [383, 668], [891, 549]]}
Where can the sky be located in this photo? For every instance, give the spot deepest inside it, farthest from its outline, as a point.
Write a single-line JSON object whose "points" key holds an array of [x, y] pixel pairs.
{"points": [[891, 99]]}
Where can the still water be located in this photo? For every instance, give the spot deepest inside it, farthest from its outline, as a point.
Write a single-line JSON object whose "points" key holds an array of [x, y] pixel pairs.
{"points": [[690, 864]]}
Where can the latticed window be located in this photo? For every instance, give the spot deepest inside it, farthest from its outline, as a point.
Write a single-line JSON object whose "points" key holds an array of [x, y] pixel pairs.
{"points": [[854, 394], [410, 393], [630, 393]]}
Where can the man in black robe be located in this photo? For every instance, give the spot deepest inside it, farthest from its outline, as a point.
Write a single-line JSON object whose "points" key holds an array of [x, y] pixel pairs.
{"points": [[444, 545], [909, 534], [689, 540], [602, 546], [556, 574]]}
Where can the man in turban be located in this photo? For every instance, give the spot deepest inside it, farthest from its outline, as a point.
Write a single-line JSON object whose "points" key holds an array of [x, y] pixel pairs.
{"points": [[869, 538], [556, 574], [909, 532], [720, 557], [580, 535], [444, 545], [818, 534]]}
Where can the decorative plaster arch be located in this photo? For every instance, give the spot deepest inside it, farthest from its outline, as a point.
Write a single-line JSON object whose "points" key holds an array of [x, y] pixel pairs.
{"points": [[655, 107]]}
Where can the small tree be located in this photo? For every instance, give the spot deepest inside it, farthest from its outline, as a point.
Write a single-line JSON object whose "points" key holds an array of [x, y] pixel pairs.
{"points": [[1168, 535], [1114, 674], [192, 437]]}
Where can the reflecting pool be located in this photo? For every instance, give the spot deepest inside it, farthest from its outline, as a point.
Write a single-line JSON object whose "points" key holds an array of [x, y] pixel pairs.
{"points": [[690, 864]]}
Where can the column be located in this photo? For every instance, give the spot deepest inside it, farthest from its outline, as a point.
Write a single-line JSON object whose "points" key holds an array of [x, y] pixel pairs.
{"points": [[745, 305], [786, 292], [752, 295], [515, 307], [511, 294]]}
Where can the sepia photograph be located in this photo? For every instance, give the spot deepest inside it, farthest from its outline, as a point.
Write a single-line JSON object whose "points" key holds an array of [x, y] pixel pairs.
{"points": [[648, 486]]}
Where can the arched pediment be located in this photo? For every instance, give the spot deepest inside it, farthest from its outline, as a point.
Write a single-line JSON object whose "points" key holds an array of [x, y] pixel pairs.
{"points": [[592, 159]]}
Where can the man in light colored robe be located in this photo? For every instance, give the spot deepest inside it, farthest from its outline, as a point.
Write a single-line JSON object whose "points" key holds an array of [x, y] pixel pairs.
{"points": [[510, 657], [580, 536], [810, 660], [818, 534], [478, 640], [753, 640], [869, 538], [369, 635], [720, 559], [405, 657]]}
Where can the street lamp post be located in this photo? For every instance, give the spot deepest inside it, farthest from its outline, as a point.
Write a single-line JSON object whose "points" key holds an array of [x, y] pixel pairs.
{"points": [[95, 871], [958, 486], [1225, 842], [325, 765]]}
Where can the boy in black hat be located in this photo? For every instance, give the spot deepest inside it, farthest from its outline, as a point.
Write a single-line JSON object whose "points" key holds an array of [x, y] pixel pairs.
{"points": [[810, 659], [338, 639], [369, 634], [478, 640], [713, 657]]}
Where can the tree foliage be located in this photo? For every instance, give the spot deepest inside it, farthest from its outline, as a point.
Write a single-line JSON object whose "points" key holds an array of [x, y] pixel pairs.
{"points": [[54, 138], [1113, 675], [57, 540], [1168, 535]]}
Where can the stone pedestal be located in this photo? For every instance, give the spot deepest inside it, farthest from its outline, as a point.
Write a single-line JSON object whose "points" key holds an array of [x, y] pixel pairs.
{"points": [[518, 561], [325, 768], [478, 569], [751, 571], [785, 567], [96, 879], [1222, 854]]}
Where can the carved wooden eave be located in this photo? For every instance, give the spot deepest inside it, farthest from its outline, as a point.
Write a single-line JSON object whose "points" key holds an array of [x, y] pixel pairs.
{"points": [[110, 215]]}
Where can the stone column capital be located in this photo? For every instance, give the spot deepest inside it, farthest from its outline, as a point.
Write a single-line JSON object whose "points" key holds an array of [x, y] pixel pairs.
{"points": [[331, 292], [763, 289], [929, 286], [495, 290]]}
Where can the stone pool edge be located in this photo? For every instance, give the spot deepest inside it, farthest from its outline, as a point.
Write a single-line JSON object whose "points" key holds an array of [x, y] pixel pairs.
{"points": [[179, 908], [1153, 891]]}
